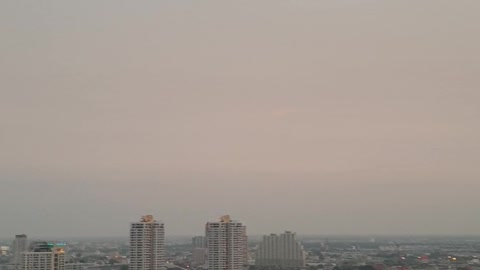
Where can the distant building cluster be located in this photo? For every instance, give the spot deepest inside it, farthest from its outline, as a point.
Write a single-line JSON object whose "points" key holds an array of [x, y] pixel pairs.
{"points": [[37, 255], [225, 246]]}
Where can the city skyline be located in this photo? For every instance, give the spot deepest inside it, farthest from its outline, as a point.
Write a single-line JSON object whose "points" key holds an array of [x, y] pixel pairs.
{"points": [[274, 251]]}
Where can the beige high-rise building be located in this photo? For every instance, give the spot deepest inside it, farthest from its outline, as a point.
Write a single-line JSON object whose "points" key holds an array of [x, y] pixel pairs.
{"points": [[147, 244], [280, 251], [226, 244], [43, 256]]}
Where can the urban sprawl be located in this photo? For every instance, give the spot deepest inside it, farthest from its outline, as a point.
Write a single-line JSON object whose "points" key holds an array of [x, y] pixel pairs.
{"points": [[225, 246]]}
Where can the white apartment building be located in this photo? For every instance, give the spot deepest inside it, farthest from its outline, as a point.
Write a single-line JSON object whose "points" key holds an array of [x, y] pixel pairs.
{"points": [[147, 244], [226, 244], [43, 256], [280, 251]]}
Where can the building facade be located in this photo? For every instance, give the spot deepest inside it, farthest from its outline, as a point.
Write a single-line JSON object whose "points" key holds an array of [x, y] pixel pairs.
{"points": [[199, 256], [20, 245], [280, 251], [43, 256], [78, 266], [147, 244], [199, 250], [226, 244], [199, 242]]}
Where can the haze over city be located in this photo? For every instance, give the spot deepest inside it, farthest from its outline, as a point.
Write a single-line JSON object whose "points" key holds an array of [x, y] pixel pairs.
{"points": [[320, 117]]}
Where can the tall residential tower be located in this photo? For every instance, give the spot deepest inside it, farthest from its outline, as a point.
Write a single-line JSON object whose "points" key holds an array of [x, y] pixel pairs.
{"points": [[226, 244], [147, 244], [199, 250], [20, 245]]}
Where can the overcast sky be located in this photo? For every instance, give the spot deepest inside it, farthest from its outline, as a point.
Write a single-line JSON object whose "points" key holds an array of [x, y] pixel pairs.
{"points": [[320, 117]]}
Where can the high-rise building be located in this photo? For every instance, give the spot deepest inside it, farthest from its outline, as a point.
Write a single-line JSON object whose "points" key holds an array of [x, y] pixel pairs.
{"points": [[43, 256], [199, 250], [147, 244], [199, 242], [226, 244], [20, 245], [280, 251]]}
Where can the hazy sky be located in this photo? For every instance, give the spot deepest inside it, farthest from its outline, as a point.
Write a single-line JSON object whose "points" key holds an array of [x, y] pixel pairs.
{"points": [[321, 117]]}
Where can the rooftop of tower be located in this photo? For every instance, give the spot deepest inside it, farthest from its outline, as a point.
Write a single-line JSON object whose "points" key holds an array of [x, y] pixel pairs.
{"points": [[225, 218], [147, 219]]}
